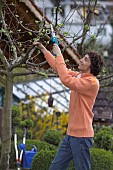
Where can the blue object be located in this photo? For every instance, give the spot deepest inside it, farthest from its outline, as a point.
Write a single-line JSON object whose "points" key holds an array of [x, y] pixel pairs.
{"points": [[54, 40], [28, 157], [21, 146]]}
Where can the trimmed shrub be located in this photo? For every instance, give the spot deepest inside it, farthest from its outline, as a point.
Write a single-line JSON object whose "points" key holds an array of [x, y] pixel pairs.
{"points": [[101, 159], [43, 159], [104, 139], [53, 137], [41, 145], [15, 116]]}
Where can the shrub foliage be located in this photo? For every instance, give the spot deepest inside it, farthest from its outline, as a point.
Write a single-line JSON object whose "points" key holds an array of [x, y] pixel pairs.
{"points": [[53, 137], [43, 159], [104, 138], [101, 159]]}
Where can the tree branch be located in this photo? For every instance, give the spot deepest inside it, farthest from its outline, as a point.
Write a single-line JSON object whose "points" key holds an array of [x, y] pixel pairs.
{"points": [[6, 32], [27, 29], [22, 59], [36, 65], [106, 77], [90, 12], [74, 40], [35, 72], [92, 41], [4, 60]]}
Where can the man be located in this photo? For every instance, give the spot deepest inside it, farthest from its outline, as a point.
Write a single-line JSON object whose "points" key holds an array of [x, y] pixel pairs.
{"points": [[84, 88]]}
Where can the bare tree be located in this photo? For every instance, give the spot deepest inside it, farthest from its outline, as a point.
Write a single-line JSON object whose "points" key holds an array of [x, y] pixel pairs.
{"points": [[16, 51], [18, 56]]}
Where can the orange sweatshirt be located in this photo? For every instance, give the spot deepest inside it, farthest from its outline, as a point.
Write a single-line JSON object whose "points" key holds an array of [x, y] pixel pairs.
{"points": [[82, 98]]}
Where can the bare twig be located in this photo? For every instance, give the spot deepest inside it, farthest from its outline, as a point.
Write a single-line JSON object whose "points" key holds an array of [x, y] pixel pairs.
{"points": [[90, 12], [9, 37], [34, 72], [106, 77], [36, 65], [27, 29]]}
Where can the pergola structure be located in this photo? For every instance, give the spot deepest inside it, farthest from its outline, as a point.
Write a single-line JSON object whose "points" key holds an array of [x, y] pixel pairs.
{"points": [[44, 88]]}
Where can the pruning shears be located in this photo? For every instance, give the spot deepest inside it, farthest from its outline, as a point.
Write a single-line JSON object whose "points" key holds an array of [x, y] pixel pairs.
{"points": [[54, 38], [19, 159]]}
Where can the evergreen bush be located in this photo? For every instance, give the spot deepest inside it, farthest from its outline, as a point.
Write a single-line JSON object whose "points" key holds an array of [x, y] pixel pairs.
{"points": [[15, 116], [20, 124], [101, 159], [41, 145], [104, 138], [53, 137], [43, 159]]}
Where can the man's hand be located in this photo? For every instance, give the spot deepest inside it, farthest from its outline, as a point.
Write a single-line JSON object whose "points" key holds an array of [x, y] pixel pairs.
{"points": [[56, 50], [40, 46]]}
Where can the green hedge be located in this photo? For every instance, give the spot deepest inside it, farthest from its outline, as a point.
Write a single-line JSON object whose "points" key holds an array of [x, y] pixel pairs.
{"points": [[53, 137], [101, 159], [41, 145], [103, 138], [43, 159]]}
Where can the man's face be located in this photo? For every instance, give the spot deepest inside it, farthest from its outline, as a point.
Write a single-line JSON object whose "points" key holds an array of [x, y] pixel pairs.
{"points": [[84, 65]]}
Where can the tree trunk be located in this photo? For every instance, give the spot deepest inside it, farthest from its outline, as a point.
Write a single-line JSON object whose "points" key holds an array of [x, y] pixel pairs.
{"points": [[7, 123]]}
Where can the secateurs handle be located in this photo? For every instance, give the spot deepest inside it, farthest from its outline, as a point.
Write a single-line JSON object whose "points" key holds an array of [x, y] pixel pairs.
{"points": [[54, 38]]}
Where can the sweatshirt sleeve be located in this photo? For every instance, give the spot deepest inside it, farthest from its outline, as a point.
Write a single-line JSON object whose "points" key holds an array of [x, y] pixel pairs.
{"points": [[80, 85], [51, 60]]}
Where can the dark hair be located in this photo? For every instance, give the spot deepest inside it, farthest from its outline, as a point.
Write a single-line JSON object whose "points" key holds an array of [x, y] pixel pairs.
{"points": [[96, 62]]}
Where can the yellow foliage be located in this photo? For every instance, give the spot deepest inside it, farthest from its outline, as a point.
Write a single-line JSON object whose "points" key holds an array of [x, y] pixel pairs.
{"points": [[42, 117]]}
